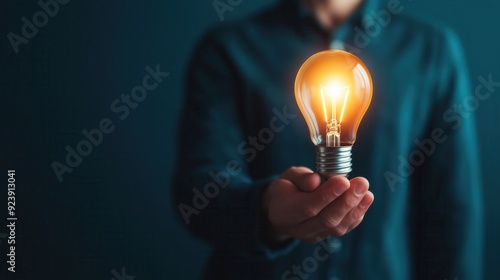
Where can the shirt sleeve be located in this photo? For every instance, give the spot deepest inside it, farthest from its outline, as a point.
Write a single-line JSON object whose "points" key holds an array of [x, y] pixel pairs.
{"points": [[447, 187], [216, 196]]}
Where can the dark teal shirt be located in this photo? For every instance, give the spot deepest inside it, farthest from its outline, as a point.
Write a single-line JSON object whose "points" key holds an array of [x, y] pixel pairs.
{"points": [[241, 128]]}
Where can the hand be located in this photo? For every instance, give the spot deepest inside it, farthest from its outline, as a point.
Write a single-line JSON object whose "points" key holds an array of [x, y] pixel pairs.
{"points": [[298, 205]]}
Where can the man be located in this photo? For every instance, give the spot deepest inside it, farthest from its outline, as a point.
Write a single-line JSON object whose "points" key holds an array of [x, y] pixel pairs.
{"points": [[242, 136]]}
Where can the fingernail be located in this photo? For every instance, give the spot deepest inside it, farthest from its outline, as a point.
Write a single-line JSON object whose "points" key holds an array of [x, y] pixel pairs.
{"points": [[359, 190]]}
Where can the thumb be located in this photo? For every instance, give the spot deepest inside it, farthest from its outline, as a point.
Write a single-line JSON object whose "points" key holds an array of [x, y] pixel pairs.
{"points": [[302, 177]]}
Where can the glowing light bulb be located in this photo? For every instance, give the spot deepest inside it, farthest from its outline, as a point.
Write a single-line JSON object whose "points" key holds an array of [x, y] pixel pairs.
{"points": [[333, 89]]}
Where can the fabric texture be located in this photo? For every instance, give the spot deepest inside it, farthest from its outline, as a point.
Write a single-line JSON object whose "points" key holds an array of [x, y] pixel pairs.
{"points": [[241, 127]]}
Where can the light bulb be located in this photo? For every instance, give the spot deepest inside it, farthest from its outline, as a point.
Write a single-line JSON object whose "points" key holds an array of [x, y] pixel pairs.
{"points": [[333, 89]]}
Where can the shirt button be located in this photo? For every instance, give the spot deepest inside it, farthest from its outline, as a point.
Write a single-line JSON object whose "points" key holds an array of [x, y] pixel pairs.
{"points": [[335, 244]]}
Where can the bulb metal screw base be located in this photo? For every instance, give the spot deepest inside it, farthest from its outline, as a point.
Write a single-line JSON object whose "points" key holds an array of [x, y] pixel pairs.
{"points": [[331, 161]]}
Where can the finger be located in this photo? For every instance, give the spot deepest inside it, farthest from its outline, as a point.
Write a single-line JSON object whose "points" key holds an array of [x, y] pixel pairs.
{"points": [[353, 218], [312, 203], [364, 204], [332, 215], [290, 206], [350, 222], [304, 178], [356, 224], [328, 233]]}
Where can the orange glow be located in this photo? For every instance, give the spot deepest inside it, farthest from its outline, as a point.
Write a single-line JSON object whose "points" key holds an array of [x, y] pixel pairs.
{"points": [[337, 94], [333, 87]]}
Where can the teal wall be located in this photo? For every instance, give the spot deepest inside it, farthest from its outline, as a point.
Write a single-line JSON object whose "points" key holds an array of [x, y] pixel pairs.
{"points": [[115, 209]]}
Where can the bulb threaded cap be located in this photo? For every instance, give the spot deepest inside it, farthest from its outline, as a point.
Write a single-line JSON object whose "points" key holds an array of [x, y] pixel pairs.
{"points": [[331, 161]]}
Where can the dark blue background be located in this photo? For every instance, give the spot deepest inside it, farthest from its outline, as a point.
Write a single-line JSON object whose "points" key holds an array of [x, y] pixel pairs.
{"points": [[115, 209]]}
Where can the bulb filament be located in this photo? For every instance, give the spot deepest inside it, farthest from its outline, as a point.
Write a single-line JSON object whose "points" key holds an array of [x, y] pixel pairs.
{"points": [[333, 122]]}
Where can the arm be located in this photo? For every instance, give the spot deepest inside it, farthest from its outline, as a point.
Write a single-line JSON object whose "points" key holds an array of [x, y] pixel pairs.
{"points": [[447, 187], [217, 198]]}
